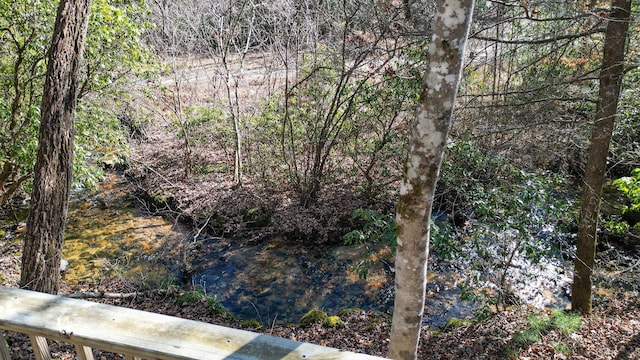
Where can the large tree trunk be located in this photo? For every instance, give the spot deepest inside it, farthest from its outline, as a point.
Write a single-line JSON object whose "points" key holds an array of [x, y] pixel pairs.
{"points": [[610, 84], [446, 51], [52, 173]]}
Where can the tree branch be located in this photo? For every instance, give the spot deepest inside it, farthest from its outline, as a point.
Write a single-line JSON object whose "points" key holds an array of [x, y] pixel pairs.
{"points": [[591, 31]]}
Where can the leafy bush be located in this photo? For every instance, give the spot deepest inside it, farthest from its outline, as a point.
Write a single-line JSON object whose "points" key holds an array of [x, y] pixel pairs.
{"points": [[624, 151], [630, 188], [376, 227], [506, 211], [113, 53]]}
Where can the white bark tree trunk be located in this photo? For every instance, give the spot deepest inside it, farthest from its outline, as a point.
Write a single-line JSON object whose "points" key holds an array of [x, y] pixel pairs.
{"points": [[446, 51]]}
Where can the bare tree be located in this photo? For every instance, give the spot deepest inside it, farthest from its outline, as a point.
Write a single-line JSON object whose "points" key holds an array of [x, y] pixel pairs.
{"points": [[325, 81], [528, 81], [606, 110], [53, 169], [446, 51]]}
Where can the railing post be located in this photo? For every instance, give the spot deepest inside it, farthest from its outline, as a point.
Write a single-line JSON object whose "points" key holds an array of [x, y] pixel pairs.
{"points": [[40, 347], [84, 352], [4, 349]]}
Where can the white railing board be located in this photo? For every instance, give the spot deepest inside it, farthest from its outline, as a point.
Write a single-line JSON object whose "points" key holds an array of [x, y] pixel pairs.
{"points": [[144, 334]]}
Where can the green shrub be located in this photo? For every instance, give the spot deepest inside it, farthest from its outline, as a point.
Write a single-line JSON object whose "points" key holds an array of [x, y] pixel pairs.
{"points": [[375, 227], [505, 208], [213, 304]]}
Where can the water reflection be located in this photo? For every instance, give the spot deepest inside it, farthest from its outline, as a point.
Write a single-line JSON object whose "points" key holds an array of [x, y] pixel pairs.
{"points": [[282, 282]]}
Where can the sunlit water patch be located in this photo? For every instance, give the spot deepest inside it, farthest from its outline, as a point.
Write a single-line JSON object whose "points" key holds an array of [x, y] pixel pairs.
{"points": [[106, 235], [535, 272]]}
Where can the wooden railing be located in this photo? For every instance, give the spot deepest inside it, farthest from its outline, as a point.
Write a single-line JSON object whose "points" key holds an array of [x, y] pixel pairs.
{"points": [[139, 334]]}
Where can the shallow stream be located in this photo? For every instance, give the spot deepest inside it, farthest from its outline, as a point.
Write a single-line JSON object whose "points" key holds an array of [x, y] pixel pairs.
{"points": [[108, 235]]}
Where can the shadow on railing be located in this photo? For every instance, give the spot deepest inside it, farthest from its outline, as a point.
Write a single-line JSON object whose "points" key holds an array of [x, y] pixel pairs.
{"points": [[139, 334]]}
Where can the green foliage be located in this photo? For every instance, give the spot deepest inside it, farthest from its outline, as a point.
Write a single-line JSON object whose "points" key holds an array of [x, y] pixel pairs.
{"points": [[375, 227], [508, 207], [561, 348], [190, 298], [99, 141], [113, 53], [540, 324], [339, 108], [496, 192], [314, 115], [534, 332], [197, 125], [170, 283], [566, 322], [203, 124], [214, 306], [314, 316], [616, 225], [263, 145], [630, 187], [625, 149], [24, 35], [442, 240], [376, 136], [198, 295]]}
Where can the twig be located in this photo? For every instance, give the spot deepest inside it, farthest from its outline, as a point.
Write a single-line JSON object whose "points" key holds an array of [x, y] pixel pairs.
{"points": [[105, 295], [627, 269], [154, 171]]}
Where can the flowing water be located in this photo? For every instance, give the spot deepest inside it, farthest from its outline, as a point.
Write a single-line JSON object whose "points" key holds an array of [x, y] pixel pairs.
{"points": [[108, 235], [277, 281]]}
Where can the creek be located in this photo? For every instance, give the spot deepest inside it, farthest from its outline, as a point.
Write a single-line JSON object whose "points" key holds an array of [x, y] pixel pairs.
{"points": [[107, 235]]}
